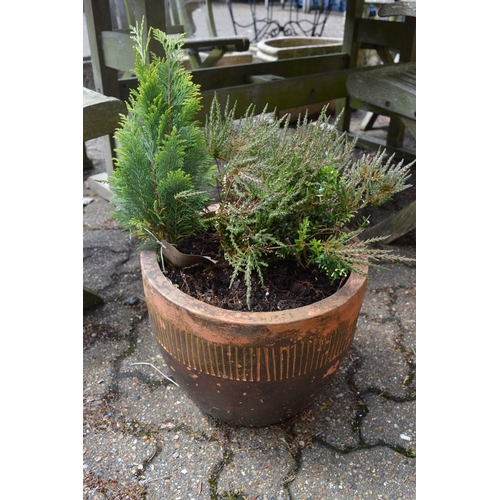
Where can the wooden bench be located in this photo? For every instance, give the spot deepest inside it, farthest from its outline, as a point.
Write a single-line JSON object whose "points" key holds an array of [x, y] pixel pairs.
{"points": [[101, 117], [389, 90], [101, 114]]}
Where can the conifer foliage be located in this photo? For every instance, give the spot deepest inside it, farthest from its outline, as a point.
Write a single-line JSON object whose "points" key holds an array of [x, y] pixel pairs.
{"points": [[163, 168]]}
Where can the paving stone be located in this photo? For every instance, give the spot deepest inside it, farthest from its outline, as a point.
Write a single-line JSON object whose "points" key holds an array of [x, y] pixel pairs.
{"points": [[97, 216], [332, 415], [394, 275], [98, 366], [116, 455], [389, 422], [181, 470], [376, 305], [382, 363], [261, 463], [376, 473]]}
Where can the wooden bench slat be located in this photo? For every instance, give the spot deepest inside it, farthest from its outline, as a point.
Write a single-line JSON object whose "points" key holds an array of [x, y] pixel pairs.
{"points": [[100, 114], [391, 87], [282, 93]]}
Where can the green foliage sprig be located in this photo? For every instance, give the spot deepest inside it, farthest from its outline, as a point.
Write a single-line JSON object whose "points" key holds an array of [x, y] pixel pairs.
{"points": [[292, 193], [163, 168]]}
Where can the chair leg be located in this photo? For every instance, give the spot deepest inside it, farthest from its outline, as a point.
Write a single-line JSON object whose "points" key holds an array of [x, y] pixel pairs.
{"points": [[368, 121], [396, 133]]}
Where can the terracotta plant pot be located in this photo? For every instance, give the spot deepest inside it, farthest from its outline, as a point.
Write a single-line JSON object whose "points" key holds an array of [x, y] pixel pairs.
{"points": [[247, 368]]}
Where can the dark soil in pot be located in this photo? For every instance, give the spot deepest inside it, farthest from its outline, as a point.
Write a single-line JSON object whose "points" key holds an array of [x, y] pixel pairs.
{"points": [[287, 285]]}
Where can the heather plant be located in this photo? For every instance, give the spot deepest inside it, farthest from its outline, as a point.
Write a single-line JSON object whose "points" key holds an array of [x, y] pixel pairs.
{"points": [[294, 193]]}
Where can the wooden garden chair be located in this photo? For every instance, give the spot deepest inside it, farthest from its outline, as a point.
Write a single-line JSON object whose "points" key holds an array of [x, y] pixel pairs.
{"points": [[390, 90]]}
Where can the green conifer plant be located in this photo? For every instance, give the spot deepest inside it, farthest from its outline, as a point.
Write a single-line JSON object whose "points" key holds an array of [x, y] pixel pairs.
{"points": [[163, 167], [282, 192]]}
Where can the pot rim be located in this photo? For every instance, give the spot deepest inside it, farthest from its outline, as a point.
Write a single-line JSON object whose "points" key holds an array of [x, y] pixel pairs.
{"points": [[152, 272]]}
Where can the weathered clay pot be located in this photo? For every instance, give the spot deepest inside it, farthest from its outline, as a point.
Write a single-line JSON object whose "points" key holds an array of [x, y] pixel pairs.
{"points": [[247, 368]]}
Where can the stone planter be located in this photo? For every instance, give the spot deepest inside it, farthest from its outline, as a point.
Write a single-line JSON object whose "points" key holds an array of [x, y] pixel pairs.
{"points": [[296, 46], [247, 368]]}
